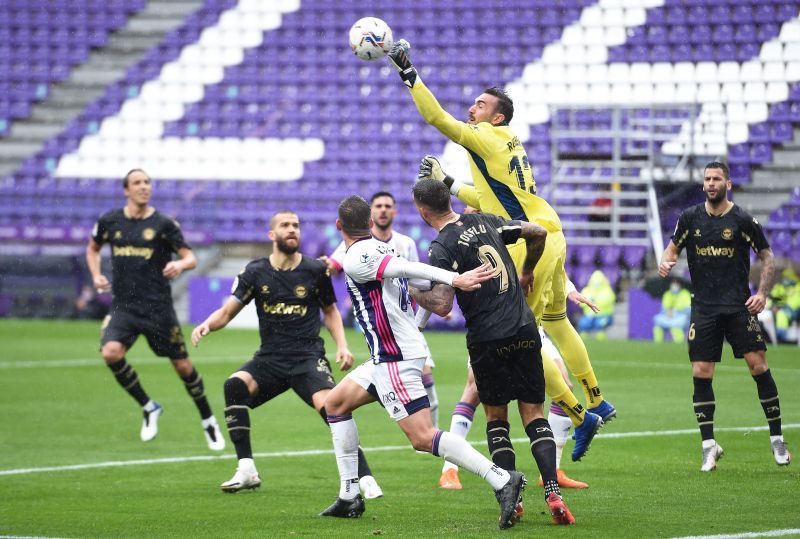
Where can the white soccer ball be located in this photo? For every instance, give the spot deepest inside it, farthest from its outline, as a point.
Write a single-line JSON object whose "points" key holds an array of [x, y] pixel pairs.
{"points": [[371, 38]]}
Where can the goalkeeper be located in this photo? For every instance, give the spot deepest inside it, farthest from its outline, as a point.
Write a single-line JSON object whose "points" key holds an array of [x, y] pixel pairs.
{"points": [[504, 185]]}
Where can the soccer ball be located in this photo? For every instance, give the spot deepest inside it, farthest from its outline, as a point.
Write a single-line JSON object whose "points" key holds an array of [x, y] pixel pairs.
{"points": [[370, 38]]}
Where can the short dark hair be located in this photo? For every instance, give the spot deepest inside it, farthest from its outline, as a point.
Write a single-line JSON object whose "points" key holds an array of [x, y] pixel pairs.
{"points": [[354, 214], [433, 195], [128, 175], [505, 105], [281, 212], [380, 194], [726, 173]]}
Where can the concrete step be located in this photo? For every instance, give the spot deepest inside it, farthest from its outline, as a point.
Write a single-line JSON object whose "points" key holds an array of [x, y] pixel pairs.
{"points": [[787, 156], [55, 113], [777, 176], [172, 8], [69, 93], [761, 202], [28, 130], [148, 25], [12, 149]]}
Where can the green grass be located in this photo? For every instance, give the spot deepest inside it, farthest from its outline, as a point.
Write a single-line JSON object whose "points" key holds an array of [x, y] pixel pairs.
{"points": [[60, 406]]}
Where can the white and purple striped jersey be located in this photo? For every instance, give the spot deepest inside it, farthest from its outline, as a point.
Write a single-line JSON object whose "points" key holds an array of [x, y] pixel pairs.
{"points": [[403, 246], [382, 306]]}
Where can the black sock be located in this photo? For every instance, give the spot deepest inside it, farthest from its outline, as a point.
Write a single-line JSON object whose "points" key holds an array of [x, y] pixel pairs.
{"points": [[704, 406], [768, 395], [500, 448], [543, 447], [129, 380], [237, 416], [363, 467], [194, 386]]}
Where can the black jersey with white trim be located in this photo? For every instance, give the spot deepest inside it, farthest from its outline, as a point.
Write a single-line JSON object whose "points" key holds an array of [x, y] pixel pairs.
{"points": [[288, 304], [140, 248], [497, 309], [717, 249]]}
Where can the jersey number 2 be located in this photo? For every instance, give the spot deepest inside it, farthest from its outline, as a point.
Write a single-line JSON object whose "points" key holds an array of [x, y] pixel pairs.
{"points": [[489, 255]]}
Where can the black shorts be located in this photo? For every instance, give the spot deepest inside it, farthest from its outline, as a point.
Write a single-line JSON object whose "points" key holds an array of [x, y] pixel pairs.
{"points": [[161, 329], [707, 332], [509, 369], [275, 374]]}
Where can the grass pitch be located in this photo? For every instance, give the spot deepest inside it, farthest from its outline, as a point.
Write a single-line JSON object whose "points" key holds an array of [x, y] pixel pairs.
{"points": [[61, 407]]}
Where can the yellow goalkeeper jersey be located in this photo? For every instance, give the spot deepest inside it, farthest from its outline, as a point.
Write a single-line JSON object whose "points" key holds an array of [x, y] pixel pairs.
{"points": [[501, 174]]}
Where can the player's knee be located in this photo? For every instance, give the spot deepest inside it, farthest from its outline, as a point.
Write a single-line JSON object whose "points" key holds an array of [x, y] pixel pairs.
{"points": [[112, 352], [236, 391], [183, 366]]}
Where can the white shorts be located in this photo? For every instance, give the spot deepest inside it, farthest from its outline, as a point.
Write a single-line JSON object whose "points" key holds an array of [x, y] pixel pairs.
{"points": [[548, 346], [429, 362], [398, 384]]}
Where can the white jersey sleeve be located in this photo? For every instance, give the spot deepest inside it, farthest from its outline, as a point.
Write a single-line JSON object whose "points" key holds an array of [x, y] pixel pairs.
{"points": [[337, 256]]}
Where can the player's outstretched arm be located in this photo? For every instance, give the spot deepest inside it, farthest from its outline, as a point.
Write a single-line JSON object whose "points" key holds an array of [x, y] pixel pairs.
{"points": [[439, 299], [332, 319], [668, 259], [431, 169], [756, 303], [217, 320], [400, 59]]}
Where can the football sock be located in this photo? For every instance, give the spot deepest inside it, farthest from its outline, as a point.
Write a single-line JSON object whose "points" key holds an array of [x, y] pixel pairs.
{"points": [[129, 380], [460, 424], [237, 416], [558, 390], [576, 358], [363, 466], [768, 395], [560, 424], [704, 406], [433, 397], [543, 447], [500, 449], [658, 334], [459, 451], [194, 386], [345, 445]]}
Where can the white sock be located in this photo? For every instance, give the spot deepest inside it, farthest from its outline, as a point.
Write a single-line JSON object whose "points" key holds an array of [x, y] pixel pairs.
{"points": [[345, 445], [433, 398], [459, 426], [247, 465], [560, 425], [150, 406], [709, 443], [458, 451], [779, 437]]}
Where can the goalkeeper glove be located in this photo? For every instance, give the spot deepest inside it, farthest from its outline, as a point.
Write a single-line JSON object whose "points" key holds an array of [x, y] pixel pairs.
{"points": [[398, 56], [431, 169]]}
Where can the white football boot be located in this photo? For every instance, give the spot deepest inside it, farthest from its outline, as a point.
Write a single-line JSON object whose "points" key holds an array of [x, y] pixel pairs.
{"points": [[710, 457], [150, 422], [369, 487], [246, 477], [781, 452], [214, 438]]}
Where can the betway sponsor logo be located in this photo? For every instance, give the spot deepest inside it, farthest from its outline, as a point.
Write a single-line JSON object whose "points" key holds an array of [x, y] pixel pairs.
{"points": [[715, 251]]}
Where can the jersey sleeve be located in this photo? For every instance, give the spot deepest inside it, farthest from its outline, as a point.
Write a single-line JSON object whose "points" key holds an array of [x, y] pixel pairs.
{"points": [[681, 230], [365, 265], [244, 287], [326, 294], [337, 256], [173, 235], [754, 234], [471, 137], [100, 231], [510, 230]]}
